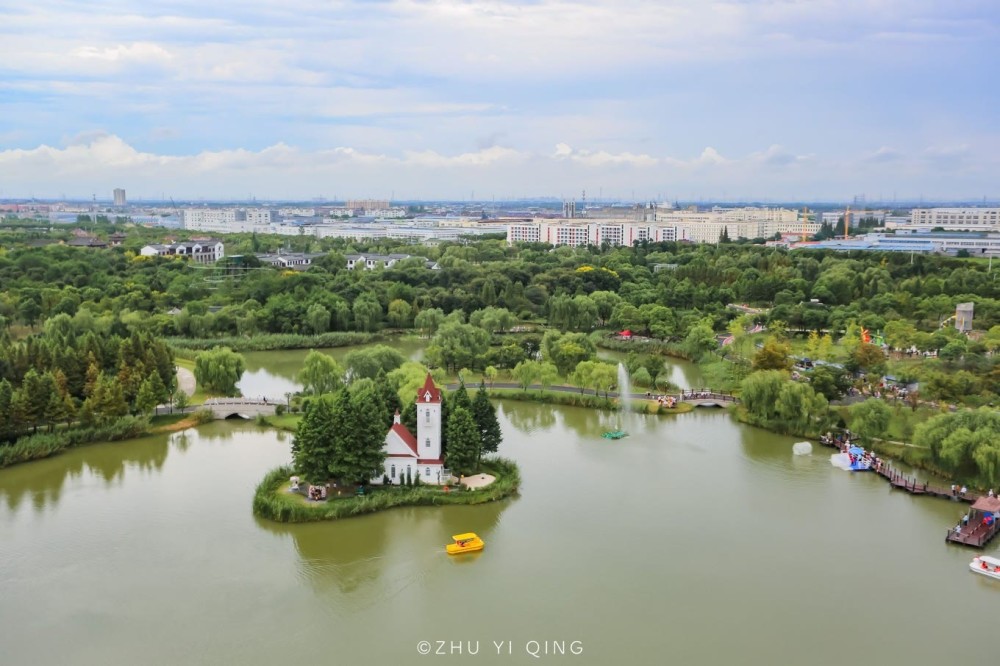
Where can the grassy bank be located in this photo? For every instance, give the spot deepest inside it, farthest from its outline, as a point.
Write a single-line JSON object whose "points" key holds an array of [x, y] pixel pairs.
{"points": [[642, 346], [589, 400], [43, 445], [287, 422], [272, 501], [272, 341]]}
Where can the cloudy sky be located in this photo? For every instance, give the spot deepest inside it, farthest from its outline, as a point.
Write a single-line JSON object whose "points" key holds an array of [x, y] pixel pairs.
{"points": [[424, 99]]}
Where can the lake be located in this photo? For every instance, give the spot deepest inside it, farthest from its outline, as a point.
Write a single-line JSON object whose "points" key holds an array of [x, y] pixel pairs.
{"points": [[695, 540], [272, 374]]}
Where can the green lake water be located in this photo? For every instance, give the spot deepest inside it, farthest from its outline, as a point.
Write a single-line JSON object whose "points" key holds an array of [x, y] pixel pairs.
{"points": [[695, 540]]}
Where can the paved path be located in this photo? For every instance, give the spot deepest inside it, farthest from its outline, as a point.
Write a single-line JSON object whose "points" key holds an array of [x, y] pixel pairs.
{"points": [[186, 381], [478, 480]]}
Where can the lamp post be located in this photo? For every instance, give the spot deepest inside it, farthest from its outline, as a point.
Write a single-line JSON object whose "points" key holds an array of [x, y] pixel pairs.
{"points": [[288, 401]]}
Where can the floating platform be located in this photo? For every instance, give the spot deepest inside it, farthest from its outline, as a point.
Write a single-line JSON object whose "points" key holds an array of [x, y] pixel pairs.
{"points": [[614, 434]]}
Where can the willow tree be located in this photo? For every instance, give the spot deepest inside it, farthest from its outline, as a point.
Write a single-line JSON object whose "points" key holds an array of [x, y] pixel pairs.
{"points": [[219, 369], [320, 374]]}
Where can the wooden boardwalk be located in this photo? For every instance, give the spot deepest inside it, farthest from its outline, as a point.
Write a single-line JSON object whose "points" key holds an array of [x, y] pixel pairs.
{"points": [[976, 535]]}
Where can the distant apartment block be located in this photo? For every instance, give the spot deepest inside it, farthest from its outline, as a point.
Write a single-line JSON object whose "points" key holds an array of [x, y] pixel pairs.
{"points": [[368, 204], [256, 217], [690, 226], [120, 200], [203, 251], [230, 220], [214, 219], [953, 219]]}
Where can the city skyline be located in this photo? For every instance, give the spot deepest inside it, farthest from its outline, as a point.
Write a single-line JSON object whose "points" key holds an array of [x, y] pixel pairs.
{"points": [[683, 100]]}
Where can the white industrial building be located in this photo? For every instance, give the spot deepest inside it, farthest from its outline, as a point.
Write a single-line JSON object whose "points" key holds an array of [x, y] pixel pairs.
{"points": [[953, 219], [690, 226]]}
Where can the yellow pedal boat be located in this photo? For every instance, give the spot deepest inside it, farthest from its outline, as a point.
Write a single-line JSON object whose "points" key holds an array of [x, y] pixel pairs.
{"points": [[465, 543]]}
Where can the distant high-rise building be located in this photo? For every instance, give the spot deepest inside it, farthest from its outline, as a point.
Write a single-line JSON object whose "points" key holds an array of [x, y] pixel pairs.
{"points": [[368, 204], [120, 197], [569, 209]]}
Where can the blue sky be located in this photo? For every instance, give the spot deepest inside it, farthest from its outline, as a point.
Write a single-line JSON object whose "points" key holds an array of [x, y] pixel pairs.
{"points": [[737, 99]]}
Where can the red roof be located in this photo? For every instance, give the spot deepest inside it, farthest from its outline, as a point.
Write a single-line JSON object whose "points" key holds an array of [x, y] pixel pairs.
{"points": [[428, 387], [430, 461], [406, 436]]}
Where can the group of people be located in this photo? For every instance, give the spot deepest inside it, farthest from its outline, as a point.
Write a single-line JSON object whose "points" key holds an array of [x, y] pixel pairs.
{"points": [[842, 441], [960, 492], [318, 493], [986, 567], [866, 458], [315, 493], [667, 401]]}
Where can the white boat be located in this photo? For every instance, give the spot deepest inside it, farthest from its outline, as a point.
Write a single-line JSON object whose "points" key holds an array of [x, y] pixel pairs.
{"points": [[987, 566]]}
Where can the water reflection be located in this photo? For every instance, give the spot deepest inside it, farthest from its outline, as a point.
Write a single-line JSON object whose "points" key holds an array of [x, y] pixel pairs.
{"points": [[381, 554], [43, 480], [681, 373], [528, 417], [273, 373]]}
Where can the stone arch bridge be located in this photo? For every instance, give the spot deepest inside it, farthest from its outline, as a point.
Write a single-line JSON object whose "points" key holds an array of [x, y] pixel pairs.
{"points": [[230, 408]]}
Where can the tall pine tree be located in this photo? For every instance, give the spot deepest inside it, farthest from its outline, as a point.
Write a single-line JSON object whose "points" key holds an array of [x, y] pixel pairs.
{"points": [[485, 416], [463, 442], [313, 449]]}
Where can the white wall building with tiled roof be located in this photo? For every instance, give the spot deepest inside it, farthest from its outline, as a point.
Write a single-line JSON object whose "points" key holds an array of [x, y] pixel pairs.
{"points": [[410, 455]]}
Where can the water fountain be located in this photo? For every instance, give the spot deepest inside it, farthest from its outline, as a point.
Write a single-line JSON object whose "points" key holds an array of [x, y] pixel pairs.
{"points": [[624, 403]]}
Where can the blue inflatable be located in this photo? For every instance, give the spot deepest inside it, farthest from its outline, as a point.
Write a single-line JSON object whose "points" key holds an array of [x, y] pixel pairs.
{"points": [[858, 462]]}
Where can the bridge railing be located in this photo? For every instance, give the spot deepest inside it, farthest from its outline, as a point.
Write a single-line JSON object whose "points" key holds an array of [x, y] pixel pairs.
{"points": [[707, 394], [242, 401]]}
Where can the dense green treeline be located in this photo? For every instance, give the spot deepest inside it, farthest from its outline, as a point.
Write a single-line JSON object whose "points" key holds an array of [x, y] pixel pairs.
{"points": [[662, 290], [76, 369], [674, 294]]}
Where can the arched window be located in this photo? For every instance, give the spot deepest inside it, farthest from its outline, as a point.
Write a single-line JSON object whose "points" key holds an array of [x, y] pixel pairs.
{"points": [[427, 443], [394, 471]]}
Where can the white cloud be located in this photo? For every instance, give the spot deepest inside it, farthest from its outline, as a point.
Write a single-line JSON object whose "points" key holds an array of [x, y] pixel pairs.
{"points": [[421, 90], [97, 161], [135, 52]]}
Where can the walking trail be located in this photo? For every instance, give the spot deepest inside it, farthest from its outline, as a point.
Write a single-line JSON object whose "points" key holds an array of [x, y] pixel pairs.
{"points": [[186, 381]]}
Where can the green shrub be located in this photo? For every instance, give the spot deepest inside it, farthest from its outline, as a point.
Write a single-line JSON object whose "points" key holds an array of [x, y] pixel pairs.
{"points": [[272, 341], [203, 416]]}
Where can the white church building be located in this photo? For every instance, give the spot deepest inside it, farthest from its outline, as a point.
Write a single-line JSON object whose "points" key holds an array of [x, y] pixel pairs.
{"points": [[420, 454]]}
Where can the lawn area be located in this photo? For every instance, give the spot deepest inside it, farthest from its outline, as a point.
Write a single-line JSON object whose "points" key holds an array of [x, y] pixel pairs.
{"points": [[289, 422]]}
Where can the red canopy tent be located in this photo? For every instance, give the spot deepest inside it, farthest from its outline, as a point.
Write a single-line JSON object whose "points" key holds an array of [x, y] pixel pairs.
{"points": [[626, 334]]}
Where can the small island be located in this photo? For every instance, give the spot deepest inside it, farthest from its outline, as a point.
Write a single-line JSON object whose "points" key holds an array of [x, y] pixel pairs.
{"points": [[355, 452]]}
